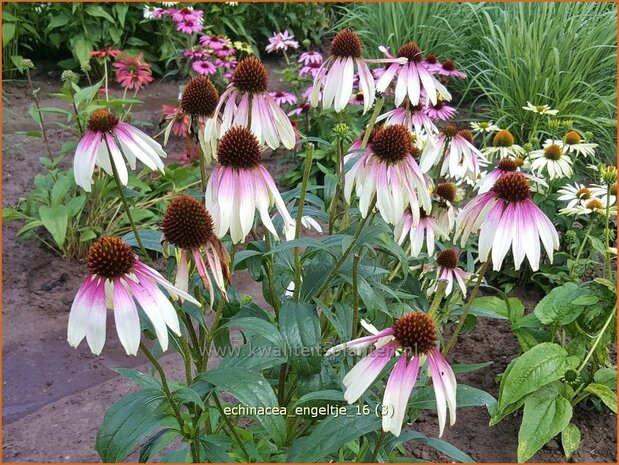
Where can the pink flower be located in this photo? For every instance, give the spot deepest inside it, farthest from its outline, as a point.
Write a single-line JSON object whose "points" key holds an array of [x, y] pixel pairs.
{"points": [[132, 72], [102, 54], [116, 279], [505, 165], [412, 341], [107, 140], [312, 68], [506, 217], [282, 98], [386, 170], [310, 58], [426, 227], [225, 51], [280, 42], [186, 13], [448, 270], [204, 67], [240, 185], [415, 118], [189, 26], [215, 42], [247, 98], [412, 78], [180, 121], [440, 111], [461, 157], [448, 68]]}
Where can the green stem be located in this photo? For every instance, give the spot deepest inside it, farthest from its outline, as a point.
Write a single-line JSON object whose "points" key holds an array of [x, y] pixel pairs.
{"points": [[598, 338], [377, 107], [355, 295], [281, 388], [123, 199], [467, 307], [340, 261], [581, 249], [339, 171], [36, 104], [438, 297], [270, 266], [379, 444], [309, 153], [607, 235], [202, 172], [230, 427]]}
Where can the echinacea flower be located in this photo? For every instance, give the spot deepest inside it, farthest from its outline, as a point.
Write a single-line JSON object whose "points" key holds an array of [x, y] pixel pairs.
{"points": [[153, 12], [484, 127], [503, 145], [576, 194], [448, 68], [448, 270], [593, 206], [280, 42], [188, 226], [215, 43], [105, 141], [131, 72], [116, 279], [178, 121], [186, 13], [246, 102], [507, 218], [444, 212], [425, 228], [461, 158], [540, 109], [412, 340], [103, 54], [413, 117], [553, 159], [310, 57], [240, 185], [204, 67], [505, 165], [602, 191], [440, 111], [337, 73], [387, 171], [189, 26], [412, 78], [312, 68], [199, 100], [282, 98], [573, 143]]}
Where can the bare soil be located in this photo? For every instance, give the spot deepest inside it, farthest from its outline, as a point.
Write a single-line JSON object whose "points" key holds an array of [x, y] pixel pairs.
{"points": [[54, 397]]}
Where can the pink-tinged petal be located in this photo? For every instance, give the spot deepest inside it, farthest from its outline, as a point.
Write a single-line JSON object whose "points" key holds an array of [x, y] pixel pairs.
{"points": [[275, 195], [416, 238], [126, 318], [444, 383], [84, 159], [152, 310], [130, 146], [359, 344], [225, 201], [503, 237], [242, 112], [345, 87], [518, 235], [229, 111], [182, 272], [430, 84], [269, 133], [366, 84], [263, 203], [117, 158], [247, 200], [488, 230], [364, 373], [413, 85], [333, 83], [215, 266], [387, 77], [547, 232], [401, 86], [283, 126], [85, 317], [460, 277], [236, 230], [399, 387], [154, 275], [203, 273]]}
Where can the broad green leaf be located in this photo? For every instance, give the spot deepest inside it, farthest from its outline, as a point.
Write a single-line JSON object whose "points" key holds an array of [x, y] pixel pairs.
{"points": [[187, 395], [466, 396], [99, 12], [150, 238], [605, 394], [139, 378], [81, 48], [60, 189], [468, 367], [438, 444], [560, 306], [330, 435], [543, 364], [570, 439], [545, 415], [156, 443], [252, 326], [86, 94], [607, 376], [8, 32], [300, 327], [314, 398], [55, 221], [251, 390], [127, 421], [58, 21], [489, 305]]}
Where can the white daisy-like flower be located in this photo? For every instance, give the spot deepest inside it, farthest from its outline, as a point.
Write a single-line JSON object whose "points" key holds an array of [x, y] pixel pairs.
{"points": [[575, 194], [540, 109], [552, 159], [593, 206], [573, 143], [503, 145], [484, 127], [601, 192]]}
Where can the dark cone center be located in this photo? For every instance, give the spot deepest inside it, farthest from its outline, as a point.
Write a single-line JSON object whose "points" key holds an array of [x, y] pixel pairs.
{"points": [[102, 121], [346, 44], [186, 223], [512, 187], [416, 332], [200, 97], [110, 258], [250, 75], [392, 144], [239, 148]]}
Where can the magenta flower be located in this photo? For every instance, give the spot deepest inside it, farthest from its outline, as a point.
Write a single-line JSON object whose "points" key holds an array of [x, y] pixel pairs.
{"points": [[448, 270], [412, 341], [282, 98], [247, 98], [337, 73], [116, 279], [414, 118], [203, 67], [215, 42], [225, 51], [413, 77], [426, 227], [240, 185], [387, 170], [461, 157], [189, 26], [440, 111], [506, 165], [506, 217], [448, 68], [179, 122], [281, 41], [107, 138], [132, 72], [312, 68], [186, 13], [310, 58]]}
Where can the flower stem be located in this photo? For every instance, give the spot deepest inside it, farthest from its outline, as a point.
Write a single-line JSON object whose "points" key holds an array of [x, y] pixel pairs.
{"points": [[607, 235], [202, 172], [309, 153], [467, 307], [270, 268], [230, 426], [339, 170], [355, 295], [438, 297], [123, 199], [379, 444], [582, 248], [598, 338], [377, 107], [36, 104], [340, 261]]}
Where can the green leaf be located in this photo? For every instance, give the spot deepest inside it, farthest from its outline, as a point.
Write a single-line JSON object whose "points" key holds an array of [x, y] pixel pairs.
{"points": [[251, 390], [543, 364], [570, 439], [605, 394], [81, 48], [438, 444], [300, 327], [60, 189], [252, 326], [330, 435], [139, 378], [86, 94], [8, 32], [55, 220], [545, 415], [491, 305], [58, 21], [466, 396], [310, 400], [468, 367], [187, 395], [99, 12], [560, 306], [150, 238], [607, 376], [127, 421]]}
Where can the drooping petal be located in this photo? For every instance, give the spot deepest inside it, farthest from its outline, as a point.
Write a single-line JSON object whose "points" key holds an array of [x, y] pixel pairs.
{"points": [[398, 390], [364, 373], [126, 318], [84, 159], [444, 383]]}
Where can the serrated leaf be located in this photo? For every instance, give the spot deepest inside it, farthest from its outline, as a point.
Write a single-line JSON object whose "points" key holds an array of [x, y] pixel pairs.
{"points": [[560, 306], [570, 440]]}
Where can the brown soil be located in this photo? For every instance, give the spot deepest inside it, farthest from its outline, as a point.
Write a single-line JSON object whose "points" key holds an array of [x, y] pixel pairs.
{"points": [[54, 396]]}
